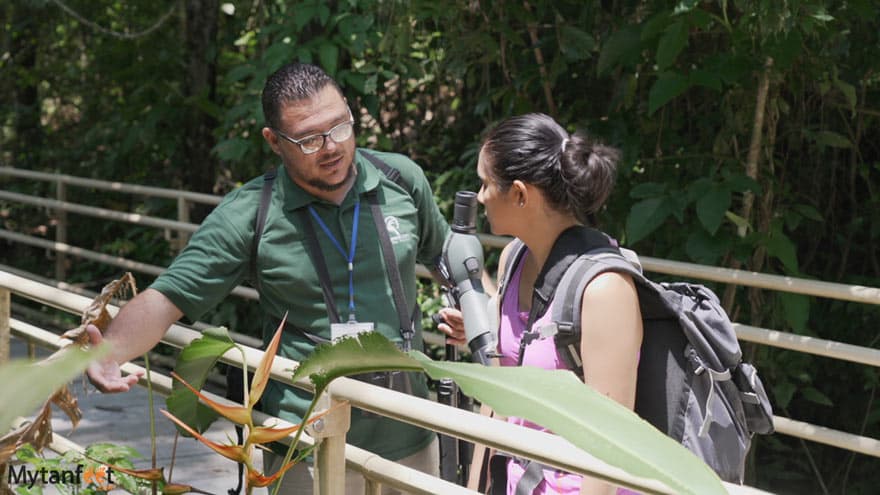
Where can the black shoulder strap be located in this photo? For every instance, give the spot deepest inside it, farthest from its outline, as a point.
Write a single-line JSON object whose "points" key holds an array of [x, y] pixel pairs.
{"points": [[260, 222], [406, 323], [320, 263], [571, 244], [390, 172]]}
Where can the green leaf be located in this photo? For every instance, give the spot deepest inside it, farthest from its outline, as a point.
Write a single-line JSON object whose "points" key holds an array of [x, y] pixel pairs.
{"points": [[576, 44], [644, 217], [706, 78], [712, 206], [27, 385], [668, 86], [555, 399], [622, 48], [737, 220], [849, 92], [809, 211], [365, 353], [705, 249], [194, 363], [671, 44], [796, 308], [784, 391], [328, 55], [647, 190], [832, 139], [780, 246], [812, 394]]}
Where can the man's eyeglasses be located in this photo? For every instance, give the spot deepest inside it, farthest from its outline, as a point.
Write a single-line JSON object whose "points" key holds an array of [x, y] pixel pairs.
{"points": [[314, 143]]}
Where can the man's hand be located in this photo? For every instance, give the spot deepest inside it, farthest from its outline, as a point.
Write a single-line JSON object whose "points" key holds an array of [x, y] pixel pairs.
{"points": [[106, 375], [452, 326]]}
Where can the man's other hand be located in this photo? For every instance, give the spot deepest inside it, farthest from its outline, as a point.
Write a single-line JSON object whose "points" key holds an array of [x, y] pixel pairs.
{"points": [[105, 374]]}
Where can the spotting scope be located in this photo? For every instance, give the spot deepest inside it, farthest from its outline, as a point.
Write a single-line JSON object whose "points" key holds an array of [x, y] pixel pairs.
{"points": [[463, 261]]}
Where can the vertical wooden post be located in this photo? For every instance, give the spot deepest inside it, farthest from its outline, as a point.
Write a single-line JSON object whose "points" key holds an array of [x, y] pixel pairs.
{"points": [[61, 232], [5, 332], [182, 237], [329, 434]]}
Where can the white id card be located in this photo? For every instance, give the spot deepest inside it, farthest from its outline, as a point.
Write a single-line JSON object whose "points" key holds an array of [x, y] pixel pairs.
{"points": [[340, 330]]}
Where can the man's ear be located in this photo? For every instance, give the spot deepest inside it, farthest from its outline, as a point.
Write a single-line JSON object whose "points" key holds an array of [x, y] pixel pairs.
{"points": [[272, 139]]}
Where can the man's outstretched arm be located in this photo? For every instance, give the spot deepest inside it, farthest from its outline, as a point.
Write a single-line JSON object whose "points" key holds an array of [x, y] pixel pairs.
{"points": [[136, 329]]}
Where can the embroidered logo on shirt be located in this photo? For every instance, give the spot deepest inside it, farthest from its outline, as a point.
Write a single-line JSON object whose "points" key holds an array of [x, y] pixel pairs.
{"points": [[392, 223]]}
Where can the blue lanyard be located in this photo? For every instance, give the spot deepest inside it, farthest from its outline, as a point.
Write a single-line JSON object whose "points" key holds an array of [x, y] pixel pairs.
{"points": [[348, 257]]}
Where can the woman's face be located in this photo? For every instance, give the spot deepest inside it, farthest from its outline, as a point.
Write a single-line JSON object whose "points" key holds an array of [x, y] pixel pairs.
{"points": [[501, 207]]}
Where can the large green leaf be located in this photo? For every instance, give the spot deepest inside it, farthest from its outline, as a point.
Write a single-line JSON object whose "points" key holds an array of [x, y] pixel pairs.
{"points": [[644, 217], [622, 48], [712, 206], [671, 44], [194, 363], [555, 399], [26, 384], [668, 86]]}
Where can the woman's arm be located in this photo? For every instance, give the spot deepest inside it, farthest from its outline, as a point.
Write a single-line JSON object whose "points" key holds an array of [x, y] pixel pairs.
{"points": [[611, 336]]}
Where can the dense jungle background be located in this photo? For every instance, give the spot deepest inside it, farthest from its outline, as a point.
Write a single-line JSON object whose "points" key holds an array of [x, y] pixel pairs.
{"points": [[749, 131]]}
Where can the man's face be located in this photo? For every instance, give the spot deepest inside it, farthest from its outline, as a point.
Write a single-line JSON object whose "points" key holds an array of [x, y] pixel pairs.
{"points": [[329, 172]]}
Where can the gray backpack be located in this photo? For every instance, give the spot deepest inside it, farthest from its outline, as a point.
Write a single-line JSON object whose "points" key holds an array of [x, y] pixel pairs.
{"points": [[692, 383]]}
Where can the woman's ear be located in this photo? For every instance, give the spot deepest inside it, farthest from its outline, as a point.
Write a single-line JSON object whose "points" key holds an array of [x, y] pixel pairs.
{"points": [[520, 192]]}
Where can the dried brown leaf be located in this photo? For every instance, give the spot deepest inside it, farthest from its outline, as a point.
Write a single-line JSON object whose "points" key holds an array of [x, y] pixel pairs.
{"points": [[68, 403], [38, 433], [96, 312]]}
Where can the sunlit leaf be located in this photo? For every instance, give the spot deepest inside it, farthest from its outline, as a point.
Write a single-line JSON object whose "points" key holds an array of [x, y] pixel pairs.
{"points": [[26, 385], [194, 363], [555, 399]]}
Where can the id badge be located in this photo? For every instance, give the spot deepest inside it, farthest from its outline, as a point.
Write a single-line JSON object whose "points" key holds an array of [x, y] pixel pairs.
{"points": [[340, 330]]}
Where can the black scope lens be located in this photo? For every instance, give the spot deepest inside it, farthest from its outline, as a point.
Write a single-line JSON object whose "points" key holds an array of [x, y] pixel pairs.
{"points": [[464, 216]]}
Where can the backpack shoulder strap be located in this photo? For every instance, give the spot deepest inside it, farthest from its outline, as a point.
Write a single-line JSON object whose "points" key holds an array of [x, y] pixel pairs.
{"points": [[390, 172], [565, 323], [260, 222], [514, 256]]}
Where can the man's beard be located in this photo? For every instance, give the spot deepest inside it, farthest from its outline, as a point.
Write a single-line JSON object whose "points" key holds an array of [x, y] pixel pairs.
{"points": [[326, 186]]}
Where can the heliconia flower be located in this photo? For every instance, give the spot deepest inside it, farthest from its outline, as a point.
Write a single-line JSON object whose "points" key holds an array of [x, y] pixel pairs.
{"points": [[265, 434], [256, 479], [261, 374], [237, 414], [154, 474], [236, 453], [176, 489]]}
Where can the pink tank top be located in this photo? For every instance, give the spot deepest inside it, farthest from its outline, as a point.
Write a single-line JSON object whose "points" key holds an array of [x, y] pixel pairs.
{"points": [[540, 353]]}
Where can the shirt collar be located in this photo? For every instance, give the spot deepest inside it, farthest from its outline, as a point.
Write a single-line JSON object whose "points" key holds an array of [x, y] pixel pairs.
{"points": [[294, 197]]}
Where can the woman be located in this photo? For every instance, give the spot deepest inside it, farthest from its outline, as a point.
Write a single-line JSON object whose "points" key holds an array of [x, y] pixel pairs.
{"points": [[537, 182]]}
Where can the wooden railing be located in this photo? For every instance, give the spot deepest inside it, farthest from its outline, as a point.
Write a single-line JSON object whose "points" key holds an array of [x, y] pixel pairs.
{"points": [[770, 337]]}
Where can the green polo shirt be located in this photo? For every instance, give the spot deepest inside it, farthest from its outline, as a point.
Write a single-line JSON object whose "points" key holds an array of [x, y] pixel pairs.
{"points": [[217, 259]]}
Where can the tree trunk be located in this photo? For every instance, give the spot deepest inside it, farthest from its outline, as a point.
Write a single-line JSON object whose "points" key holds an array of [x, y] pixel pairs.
{"points": [[27, 144], [200, 168]]}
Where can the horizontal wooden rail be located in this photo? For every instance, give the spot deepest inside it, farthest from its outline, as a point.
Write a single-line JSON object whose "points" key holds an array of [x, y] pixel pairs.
{"points": [[102, 213], [158, 192]]}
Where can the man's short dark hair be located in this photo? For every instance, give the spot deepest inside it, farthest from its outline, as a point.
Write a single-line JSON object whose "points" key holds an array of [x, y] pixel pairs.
{"points": [[293, 82]]}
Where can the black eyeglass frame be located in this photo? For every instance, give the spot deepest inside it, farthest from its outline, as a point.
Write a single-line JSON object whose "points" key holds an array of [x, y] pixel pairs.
{"points": [[323, 135]]}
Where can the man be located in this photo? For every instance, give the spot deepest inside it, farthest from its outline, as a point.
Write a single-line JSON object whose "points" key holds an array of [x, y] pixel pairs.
{"points": [[327, 190]]}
